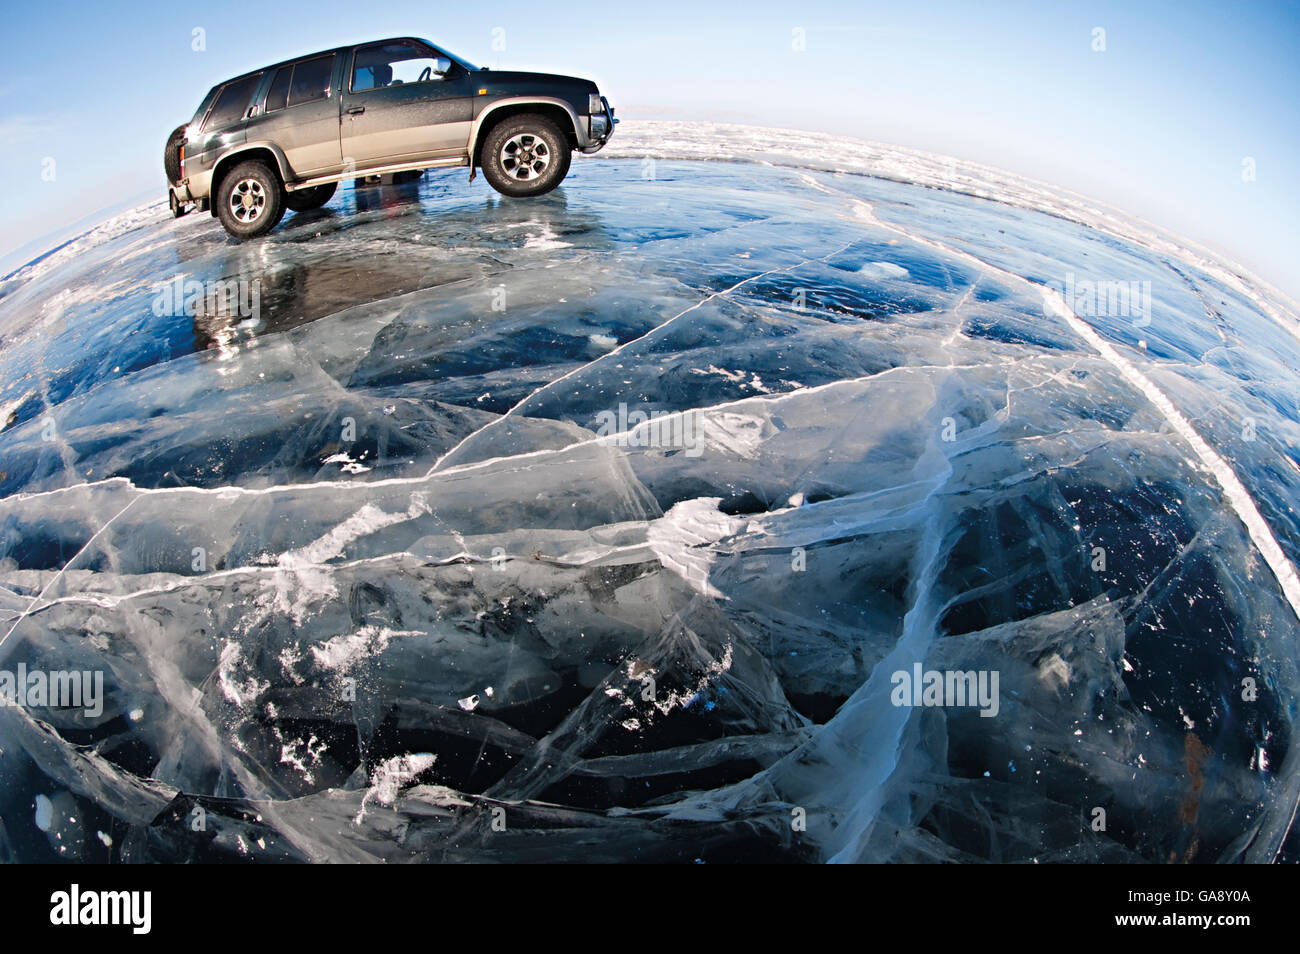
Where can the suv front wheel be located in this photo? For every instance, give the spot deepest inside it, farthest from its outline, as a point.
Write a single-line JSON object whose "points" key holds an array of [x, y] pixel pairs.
{"points": [[251, 200], [525, 155]]}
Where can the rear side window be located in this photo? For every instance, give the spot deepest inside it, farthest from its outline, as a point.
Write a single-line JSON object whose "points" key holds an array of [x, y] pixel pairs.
{"points": [[232, 102], [311, 80], [279, 94]]}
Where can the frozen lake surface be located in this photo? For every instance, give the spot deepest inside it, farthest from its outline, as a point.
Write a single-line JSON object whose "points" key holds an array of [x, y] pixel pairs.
{"points": [[599, 526]]}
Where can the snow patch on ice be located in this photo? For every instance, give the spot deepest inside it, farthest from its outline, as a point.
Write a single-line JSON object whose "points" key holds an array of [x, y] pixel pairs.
{"points": [[304, 581], [545, 240], [236, 691], [733, 433], [44, 813], [342, 653], [681, 539], [367, 520], [390, 776], [884, 270], [349, 466]]}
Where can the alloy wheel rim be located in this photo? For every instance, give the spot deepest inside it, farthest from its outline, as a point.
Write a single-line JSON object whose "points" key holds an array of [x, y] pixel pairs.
{"points": [[525, 157], [247, 200]]}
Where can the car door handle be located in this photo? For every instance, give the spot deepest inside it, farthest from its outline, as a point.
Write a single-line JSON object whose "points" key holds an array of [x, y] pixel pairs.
{"points": [[353, 110]]}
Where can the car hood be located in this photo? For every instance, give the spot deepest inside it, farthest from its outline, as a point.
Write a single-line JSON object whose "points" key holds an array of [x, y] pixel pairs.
{"points": [[514, 82]]}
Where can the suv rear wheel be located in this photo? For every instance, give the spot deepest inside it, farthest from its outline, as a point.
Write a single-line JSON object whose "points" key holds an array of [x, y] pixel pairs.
{"points": [[525, 155], [251, 200], [304, 200]]}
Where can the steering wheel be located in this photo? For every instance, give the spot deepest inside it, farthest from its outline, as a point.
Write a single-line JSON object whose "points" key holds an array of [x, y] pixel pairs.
{"points": [[425, 74]]}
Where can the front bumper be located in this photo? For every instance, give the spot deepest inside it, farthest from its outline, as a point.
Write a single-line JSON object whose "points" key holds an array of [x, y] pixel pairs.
{"points": [[600, 127]]}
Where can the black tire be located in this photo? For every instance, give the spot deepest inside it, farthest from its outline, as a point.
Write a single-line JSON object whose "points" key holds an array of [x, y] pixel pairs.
{"points": [[178, 208], [257, 196], [544, 149], [304, 200], [172, 155]]}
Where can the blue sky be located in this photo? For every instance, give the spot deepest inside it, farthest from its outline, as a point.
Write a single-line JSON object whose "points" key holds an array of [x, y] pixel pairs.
{"points": [[1158, 123]]}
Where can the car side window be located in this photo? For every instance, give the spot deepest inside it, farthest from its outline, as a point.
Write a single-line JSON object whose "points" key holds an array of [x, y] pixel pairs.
{"points": [[393, 64], [311, 80], [232, 102], [279, 94]]}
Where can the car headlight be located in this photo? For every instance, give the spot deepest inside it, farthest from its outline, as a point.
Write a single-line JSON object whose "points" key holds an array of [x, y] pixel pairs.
{"points": [[594, 106], [599, 127]]}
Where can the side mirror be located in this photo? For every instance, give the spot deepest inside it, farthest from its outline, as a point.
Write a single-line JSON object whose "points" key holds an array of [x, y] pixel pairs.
{"points": [[441, 66]]}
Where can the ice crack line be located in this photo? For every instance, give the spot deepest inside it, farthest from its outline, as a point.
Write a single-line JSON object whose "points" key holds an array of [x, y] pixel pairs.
{"points": [[609, 354], [1234, 491], [333, 486], [58, 576]]}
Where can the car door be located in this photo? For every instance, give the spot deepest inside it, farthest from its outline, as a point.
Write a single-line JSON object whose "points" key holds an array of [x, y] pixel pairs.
{"points": [[398, 107], [301, 115]]}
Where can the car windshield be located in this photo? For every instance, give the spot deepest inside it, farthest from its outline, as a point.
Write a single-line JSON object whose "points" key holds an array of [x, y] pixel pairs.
{"points": [[452, 56]]}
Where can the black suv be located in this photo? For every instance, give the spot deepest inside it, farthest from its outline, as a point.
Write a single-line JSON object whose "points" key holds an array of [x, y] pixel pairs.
{"points": [[285, 136]]}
